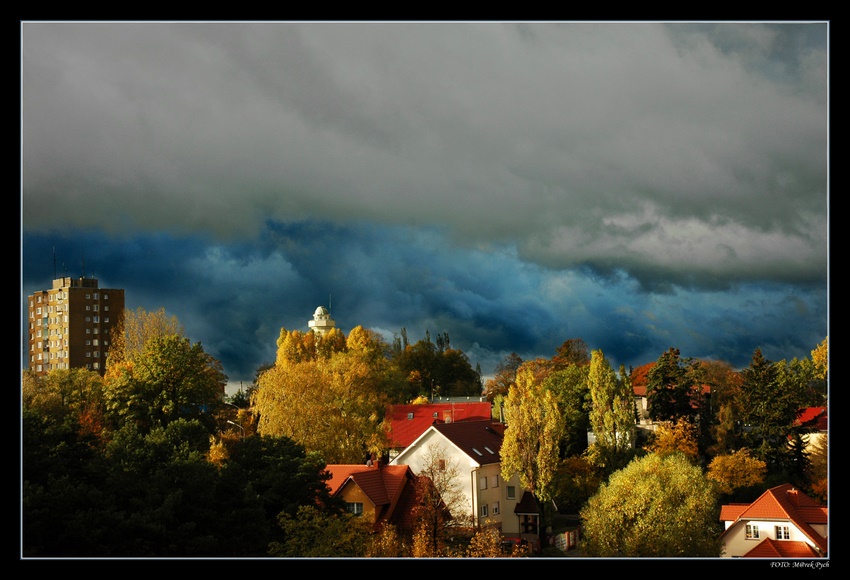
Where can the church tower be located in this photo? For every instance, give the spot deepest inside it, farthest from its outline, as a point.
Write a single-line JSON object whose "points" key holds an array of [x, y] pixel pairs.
{"points": [[322, 321]]}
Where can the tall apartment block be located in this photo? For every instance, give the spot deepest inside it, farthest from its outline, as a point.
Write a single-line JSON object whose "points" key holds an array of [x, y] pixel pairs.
{"points": [[70, 325]]}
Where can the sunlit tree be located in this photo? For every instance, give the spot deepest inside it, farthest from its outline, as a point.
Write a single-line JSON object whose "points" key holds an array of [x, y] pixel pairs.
{"points": [[612, 417], [170, 378], [135, 329], [334, 406], [675, 437], [530, 447], [654, 507], [738, 469], [504, 377]]}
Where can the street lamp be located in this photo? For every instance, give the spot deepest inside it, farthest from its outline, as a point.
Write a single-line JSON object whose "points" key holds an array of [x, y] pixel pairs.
{"points": [[240, 427]]}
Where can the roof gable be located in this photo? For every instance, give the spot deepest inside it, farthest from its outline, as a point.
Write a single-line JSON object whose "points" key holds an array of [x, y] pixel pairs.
{"points": [[783, 502]]}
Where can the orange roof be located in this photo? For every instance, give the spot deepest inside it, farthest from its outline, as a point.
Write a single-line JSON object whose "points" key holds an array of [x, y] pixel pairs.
{"points": [[407, 422], [770, 548], [386, 486], [783, 502]]}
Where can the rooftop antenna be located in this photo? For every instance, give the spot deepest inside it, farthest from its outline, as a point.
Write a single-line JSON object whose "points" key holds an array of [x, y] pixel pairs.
{"points": [[83, 260], [329, 303]]}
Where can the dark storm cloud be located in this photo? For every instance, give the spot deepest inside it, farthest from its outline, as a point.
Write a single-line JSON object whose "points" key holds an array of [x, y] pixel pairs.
{"points": [[637, 185]]}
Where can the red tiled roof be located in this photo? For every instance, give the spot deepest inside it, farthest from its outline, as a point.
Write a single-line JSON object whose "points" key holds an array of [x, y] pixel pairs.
{"points": [[390, 488], [480, 440], [404, 430], [814, 416], [783, 502], [770, 548]]}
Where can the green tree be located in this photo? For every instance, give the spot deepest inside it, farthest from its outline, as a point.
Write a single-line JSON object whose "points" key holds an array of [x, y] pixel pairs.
{"points": [[655, 507], [612, 417], [570, 386], [673, 388], [170, 378], [530, 447], [771, 396], [724, 425], [74, 395], [576, 481], [315, 533]]}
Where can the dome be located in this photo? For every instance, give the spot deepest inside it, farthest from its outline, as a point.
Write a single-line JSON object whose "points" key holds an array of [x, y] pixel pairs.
{"points": [[321, 311]]}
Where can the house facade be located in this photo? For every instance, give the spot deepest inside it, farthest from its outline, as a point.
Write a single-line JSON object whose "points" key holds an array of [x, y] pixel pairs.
{"points": [[783, 522], [474, 448]]}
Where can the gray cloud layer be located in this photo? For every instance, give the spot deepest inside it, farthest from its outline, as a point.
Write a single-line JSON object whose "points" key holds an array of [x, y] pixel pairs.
{"points": [[674, 155]]}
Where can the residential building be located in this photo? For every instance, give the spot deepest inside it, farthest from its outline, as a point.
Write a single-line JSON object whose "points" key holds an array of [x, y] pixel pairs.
{"points": [[473, 448], [385, 494], [783, 522], [70, 325]]}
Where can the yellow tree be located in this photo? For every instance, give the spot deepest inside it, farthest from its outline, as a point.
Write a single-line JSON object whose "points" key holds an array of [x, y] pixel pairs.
{"points": [[335, 406], [820, 356], [678, 437], [531, 444], [612, 417], [736, 470], [135, 329]]}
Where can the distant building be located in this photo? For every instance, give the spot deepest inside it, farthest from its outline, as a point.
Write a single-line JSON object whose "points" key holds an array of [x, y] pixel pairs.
{"points": [[70, 325], [322, 322]]}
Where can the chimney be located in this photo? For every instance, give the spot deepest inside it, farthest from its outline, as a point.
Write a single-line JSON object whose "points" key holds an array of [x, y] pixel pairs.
{"points": [[793, 496]]}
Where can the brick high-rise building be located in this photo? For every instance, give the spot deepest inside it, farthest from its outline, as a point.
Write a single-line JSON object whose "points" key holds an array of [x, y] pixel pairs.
{"points": [[70, 325]]}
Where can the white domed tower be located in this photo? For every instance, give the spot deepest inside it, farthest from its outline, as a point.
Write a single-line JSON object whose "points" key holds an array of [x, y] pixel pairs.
{"points": [[322, 321]]}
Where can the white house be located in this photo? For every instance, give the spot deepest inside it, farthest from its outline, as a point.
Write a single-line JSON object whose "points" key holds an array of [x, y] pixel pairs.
{"points": [[474, 446], [782, 523]]}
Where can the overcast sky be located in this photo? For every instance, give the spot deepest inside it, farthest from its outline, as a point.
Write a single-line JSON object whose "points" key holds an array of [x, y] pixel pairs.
{"points": [[514, 184]]}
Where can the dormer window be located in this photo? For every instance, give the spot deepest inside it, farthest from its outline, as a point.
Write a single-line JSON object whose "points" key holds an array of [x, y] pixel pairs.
{"points": [[409, 416]]}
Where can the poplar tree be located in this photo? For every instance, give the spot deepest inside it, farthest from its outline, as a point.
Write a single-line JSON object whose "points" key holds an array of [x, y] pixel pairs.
{"points": [[612, 417], [532, 438]]}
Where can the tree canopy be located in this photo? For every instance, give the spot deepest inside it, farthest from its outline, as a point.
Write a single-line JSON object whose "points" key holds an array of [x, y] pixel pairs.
{"points": [[654, 507]]}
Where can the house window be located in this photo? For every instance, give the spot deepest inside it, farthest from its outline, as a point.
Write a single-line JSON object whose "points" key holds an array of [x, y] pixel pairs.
{"points": [[355, 508], [482, 483], [409, 416], [441, 464], [510, 492], [495, 509], [752, 532], [494, 481], [782, 533], [483, 511]]}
